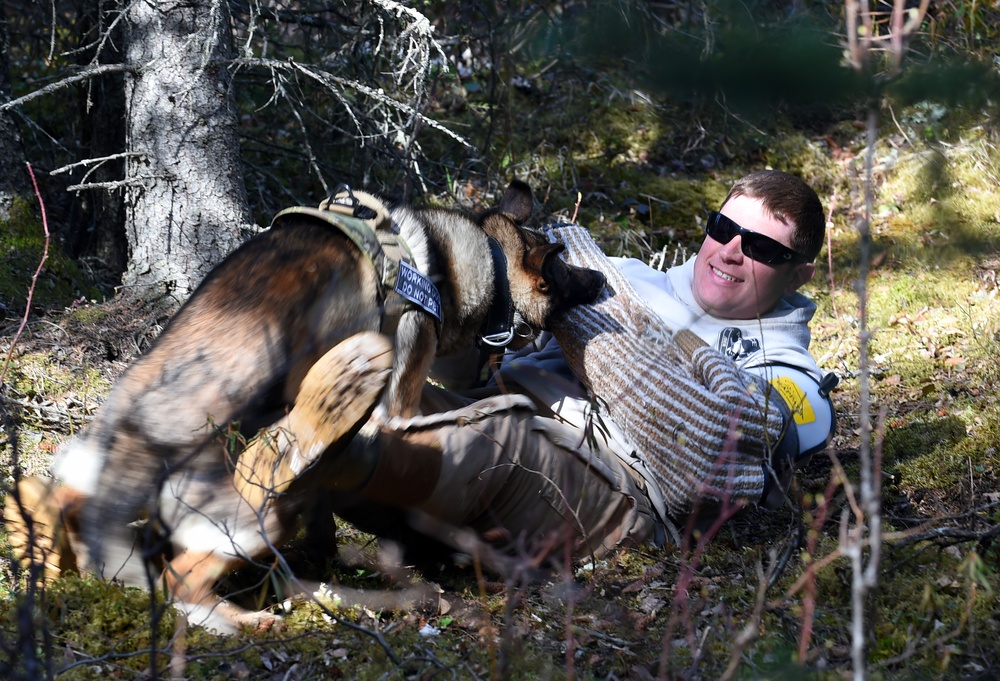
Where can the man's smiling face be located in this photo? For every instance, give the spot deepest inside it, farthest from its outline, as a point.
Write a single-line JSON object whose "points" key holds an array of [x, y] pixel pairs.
{"points": [[728, 284]]}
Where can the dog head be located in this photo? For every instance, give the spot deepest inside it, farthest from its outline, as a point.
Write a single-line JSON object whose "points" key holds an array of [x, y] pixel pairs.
{"points": [[542, 284]]}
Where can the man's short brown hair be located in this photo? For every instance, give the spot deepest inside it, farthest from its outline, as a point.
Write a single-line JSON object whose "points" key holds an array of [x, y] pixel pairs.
{"points": [[791, 200]]}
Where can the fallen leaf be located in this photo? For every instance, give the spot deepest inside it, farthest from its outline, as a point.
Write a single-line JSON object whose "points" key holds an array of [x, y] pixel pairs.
{"points": [[651, 605]]}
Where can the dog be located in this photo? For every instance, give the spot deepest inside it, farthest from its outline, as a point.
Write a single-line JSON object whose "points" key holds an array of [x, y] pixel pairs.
{"points": [[238, 350]]}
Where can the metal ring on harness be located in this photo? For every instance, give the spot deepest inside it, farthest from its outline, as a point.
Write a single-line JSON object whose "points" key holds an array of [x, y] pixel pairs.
{"points": [[343, 195], [499, 340]]}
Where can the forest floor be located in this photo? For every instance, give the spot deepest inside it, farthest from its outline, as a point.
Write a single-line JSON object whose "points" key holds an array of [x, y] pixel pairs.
{"points": [[766, 596]]}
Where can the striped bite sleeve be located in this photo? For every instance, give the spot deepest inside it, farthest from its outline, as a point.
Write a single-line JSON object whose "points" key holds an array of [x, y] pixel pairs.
{"points": [[702, 426]]}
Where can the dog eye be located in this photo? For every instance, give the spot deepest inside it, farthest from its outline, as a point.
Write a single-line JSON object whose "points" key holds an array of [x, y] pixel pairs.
{"points": [[543, 286]]}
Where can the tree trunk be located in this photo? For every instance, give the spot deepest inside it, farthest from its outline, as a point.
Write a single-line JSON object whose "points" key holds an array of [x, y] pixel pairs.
{"points": [[186, 203], [14, 178]]}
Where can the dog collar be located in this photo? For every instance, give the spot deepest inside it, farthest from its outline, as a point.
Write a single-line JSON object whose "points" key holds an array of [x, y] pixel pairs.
{"points": [[498, 329]]}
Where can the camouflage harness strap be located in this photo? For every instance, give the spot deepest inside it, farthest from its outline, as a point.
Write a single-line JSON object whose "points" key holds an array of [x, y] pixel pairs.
{"points": [[365, 220]]}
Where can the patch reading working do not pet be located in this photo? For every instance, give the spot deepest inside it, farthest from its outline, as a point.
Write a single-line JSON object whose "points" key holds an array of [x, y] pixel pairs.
{"points": [[418, 289]]}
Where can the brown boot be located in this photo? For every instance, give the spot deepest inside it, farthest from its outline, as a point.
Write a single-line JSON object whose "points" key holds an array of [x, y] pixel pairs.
{"points": [[336, 397]]}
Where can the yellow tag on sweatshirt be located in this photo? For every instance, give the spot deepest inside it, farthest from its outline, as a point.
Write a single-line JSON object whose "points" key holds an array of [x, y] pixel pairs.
{"points": [[795, 398]]}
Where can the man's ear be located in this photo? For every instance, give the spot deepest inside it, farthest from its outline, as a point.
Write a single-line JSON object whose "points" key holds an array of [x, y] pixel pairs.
{"points": [[801, 275]]}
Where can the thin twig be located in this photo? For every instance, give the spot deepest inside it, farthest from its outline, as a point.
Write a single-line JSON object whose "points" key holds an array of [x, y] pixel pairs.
{"points": [[34, 277], [829, 258], [94, 161], [335, 84], [749, 632]]}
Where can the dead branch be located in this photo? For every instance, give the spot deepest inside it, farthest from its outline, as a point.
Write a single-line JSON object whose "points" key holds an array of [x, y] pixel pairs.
{"points": [[421, 44], [80, 75], [94, 162]]}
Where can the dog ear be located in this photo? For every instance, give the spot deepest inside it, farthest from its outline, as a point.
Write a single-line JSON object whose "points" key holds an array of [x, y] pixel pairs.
{"points": [[517, 202], [535, 257]]}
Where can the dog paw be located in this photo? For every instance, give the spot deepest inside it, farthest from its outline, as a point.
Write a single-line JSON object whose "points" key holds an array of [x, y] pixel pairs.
{"points": [[226, 619]]}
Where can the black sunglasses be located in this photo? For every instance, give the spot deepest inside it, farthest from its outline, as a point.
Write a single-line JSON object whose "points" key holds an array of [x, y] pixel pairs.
{"points": [[754, 245]]}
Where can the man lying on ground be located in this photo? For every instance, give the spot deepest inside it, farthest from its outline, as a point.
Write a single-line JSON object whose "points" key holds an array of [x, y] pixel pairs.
{"points": [[676, 390]]}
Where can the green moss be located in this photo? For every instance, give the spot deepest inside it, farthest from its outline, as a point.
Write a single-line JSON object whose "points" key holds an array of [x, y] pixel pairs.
{"points": [[22, 243], [93, 612], [91, 619], [88, 314], [36, 377], [941, 206], [923, 436], [931, 593]]}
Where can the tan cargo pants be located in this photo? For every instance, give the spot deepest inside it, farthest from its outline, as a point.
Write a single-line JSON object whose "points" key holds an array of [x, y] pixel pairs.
{"points": [[497, 470]]}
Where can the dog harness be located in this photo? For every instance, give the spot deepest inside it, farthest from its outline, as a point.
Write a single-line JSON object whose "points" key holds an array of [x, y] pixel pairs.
{"points": [[366, 221]]}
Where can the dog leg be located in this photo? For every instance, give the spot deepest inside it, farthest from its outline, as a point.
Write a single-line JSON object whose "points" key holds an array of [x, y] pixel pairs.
{"points": [[337, 396], [190, 578], [52, 510]]}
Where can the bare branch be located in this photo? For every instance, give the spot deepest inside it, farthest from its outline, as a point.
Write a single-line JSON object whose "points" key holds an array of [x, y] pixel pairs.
{"points": [[116, 184], [34, 277], [418, 55], [336, 86], [82, 75], [93, 161]]}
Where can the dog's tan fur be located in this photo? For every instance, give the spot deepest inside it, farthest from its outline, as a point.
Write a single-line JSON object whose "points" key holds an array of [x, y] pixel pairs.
{"points": [[237, 352]]}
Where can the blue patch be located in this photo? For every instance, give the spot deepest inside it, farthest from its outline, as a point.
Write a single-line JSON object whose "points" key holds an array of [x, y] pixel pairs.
{"points": [[418, 289]]}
